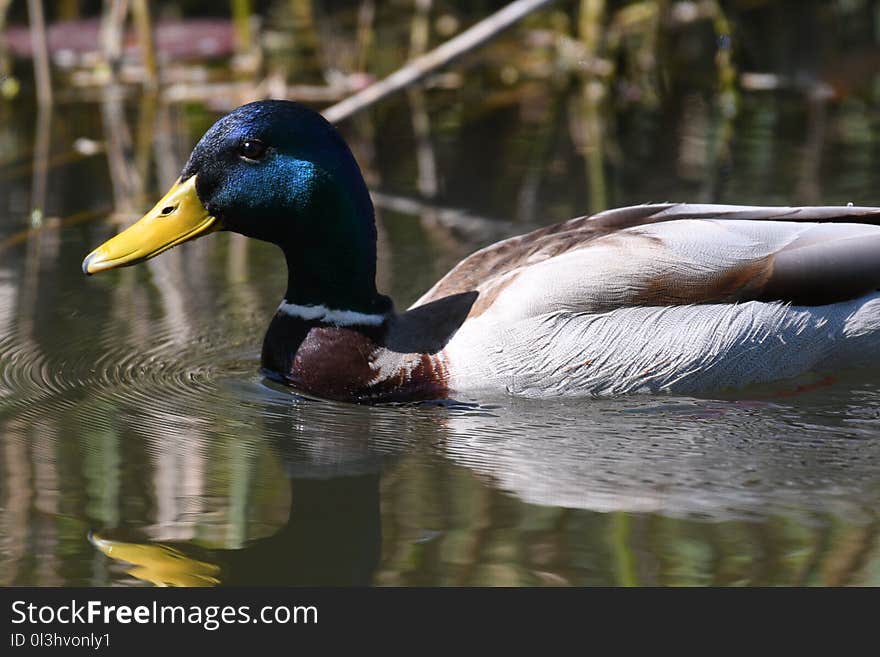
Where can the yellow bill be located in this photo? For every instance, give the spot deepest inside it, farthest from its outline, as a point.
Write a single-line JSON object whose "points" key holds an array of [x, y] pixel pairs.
{"points": [[158, 564], [177, 218]]}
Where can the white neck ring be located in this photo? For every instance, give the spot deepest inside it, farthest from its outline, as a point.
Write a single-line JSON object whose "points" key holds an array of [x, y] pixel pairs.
{"points": [[330, 315]]}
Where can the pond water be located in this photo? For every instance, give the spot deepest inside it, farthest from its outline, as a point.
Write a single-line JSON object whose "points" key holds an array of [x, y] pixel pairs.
{"points": [[134, 422]]}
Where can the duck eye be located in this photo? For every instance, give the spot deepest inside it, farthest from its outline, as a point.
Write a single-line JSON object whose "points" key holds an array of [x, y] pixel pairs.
{"points": [[252, 149]]}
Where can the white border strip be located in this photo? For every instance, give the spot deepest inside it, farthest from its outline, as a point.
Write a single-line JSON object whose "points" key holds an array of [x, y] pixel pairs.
{"points": [[329, 315]]}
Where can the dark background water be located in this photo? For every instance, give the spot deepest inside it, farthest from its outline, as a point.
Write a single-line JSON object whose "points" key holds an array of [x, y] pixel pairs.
{"points": [[131, 408]]}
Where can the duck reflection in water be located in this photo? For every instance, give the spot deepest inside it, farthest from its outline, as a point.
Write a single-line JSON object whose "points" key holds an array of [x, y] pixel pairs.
{"points": [[332, 535]]}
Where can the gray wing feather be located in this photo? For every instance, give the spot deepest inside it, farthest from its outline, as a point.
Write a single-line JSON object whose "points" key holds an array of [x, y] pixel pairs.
{"points": [[825, 272], [832, 267]]}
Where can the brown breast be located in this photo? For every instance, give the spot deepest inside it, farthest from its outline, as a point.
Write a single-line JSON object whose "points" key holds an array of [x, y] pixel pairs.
{"points": [[353, 364]]}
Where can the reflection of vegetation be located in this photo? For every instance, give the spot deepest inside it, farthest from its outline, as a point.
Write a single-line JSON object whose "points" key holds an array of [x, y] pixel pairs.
{"points": [[212, 504]]}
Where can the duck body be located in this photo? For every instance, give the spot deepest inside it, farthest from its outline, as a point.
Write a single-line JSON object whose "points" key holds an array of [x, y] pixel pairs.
{"points": [[683, 350], [664, 297]]}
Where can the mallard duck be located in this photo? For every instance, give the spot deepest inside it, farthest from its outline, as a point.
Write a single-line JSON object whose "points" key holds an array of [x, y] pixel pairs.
{"points": [[663, 297]]}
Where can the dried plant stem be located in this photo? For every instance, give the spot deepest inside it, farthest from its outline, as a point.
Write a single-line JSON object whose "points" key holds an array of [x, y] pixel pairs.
{"points": [[40, 42], [143, 23], [471, 38]]}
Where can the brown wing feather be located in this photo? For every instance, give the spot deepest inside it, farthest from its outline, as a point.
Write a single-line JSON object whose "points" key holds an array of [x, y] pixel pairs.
{"points": [[496, 260]]}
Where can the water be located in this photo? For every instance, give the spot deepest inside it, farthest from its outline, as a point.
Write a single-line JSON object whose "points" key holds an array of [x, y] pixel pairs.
{"points": [[133, 420]]}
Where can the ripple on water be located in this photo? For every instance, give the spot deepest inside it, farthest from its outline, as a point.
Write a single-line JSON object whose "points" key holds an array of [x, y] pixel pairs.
{"points": [[34, 383]]}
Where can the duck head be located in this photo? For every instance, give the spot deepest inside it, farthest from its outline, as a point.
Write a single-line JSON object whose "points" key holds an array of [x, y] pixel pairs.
{"points": [[276, 171]]}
